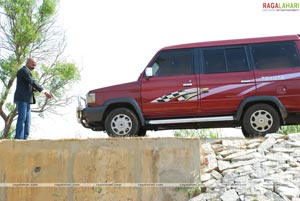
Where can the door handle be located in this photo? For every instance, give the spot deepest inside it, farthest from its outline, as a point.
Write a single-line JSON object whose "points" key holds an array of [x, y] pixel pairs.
{"points": [[187, 84]]}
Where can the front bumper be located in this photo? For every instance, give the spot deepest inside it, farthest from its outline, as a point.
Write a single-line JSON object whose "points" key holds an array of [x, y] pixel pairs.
{"points": [[90, 117], [79, 108]]}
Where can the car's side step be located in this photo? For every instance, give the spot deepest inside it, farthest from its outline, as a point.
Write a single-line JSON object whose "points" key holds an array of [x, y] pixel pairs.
{"points": [[191, 120]]}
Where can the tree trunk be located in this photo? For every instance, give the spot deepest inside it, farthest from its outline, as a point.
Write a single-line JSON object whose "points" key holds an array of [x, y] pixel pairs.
{"points": [[7, 132]]}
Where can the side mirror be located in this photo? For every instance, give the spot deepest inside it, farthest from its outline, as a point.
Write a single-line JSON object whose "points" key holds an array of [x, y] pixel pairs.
{"points": [[148, 72]]}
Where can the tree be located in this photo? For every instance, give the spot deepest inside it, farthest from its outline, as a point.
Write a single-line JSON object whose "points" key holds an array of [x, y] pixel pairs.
{"points": [[28, 29]]}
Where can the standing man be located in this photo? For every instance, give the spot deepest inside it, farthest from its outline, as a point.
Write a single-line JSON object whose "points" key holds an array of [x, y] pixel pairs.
{"points": [[24, 96]]}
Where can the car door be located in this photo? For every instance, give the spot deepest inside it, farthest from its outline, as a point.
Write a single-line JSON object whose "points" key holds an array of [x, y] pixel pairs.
{"points": [[277, 72], [226, 80], [172, 90]]}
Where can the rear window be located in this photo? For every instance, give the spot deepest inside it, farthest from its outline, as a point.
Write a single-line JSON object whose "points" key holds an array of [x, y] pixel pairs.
{"points": [[275, 55], [221, 60]]}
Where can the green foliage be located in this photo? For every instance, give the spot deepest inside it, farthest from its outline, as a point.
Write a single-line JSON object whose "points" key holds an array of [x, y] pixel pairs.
{"points": [[9, 107], [199, 133], [59, 77], [289, 129], [8, 68], [47, 8], [24, 24]]}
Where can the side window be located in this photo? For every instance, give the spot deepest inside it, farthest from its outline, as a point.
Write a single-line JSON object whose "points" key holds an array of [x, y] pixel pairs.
{"points": [[172, 63], [225, 60], [214, 61], [236, 59], [280, 55]]}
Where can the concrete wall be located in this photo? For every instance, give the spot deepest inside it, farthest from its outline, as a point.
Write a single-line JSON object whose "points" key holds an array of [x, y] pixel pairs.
{"points": [[108, 160]]}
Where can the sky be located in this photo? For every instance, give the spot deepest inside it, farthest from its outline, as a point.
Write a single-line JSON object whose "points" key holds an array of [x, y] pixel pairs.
{"points": [[113, 41]]}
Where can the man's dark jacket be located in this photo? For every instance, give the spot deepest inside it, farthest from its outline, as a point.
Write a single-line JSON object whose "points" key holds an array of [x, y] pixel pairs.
{"points": [[25, 86]]}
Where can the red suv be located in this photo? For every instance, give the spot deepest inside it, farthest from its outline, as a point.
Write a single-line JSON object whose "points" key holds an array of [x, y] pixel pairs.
{"points": [[253, 83]]}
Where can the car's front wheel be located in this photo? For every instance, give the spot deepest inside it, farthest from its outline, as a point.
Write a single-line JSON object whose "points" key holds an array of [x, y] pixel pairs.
{"points": [[259, 120], [122, 122]]}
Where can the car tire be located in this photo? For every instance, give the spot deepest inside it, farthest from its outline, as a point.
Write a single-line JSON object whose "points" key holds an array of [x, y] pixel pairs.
{"points": [[259, 120], [246, 134], [142, 132], [122, 122]]}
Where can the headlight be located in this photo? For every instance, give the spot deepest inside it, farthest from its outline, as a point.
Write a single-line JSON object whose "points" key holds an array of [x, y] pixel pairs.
{"points": [[91, 98]]}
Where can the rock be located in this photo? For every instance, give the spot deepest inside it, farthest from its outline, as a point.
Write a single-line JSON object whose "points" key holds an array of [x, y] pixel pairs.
{"points": [[275, 136], [205, 196], [229, 151], [288, 191], [281, 144], [205, 177], [268, 143], [259, 173], [253, 145], [210, 183], [270, 164], [274, 196], [248, 162], [229, 178], [296, 153], [294, 137], [266, 169], [278, 156], [284, 150], [216, 175], [223, 165], [234, 144], [217, 147], [280, 141], [230, 195], [294, 164], [251, 141], [248, 156], [207, 149], [242, 180], [279, 179], [259, 198], [244, 170], [283, 167], [239, 154], [211, 163], [294, 144]]}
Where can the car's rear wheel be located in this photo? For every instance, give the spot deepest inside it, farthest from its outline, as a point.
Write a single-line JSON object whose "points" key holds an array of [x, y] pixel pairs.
{"points": [[122, 122], [259, 120]]}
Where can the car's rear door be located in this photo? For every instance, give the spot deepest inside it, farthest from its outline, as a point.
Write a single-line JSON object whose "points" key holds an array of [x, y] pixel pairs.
{"points": [[277, 71]]}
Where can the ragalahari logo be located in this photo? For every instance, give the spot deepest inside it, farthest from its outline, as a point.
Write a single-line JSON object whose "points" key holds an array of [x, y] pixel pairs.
{"points": [[279, 6]]}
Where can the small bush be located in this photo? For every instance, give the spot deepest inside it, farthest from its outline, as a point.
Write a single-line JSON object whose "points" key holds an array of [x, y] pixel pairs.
{"points": [[289, 129]]}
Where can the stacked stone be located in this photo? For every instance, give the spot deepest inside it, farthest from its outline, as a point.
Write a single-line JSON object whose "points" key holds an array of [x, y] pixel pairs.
{"points": [[251, 169]]}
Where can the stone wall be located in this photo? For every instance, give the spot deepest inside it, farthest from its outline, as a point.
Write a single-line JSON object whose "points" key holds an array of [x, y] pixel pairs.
{"points": [[108, 160], [261, 169], [264, 169]]}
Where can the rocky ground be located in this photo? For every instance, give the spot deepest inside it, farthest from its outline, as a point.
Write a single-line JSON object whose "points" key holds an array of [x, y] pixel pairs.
{"points": [[262, 169]]}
